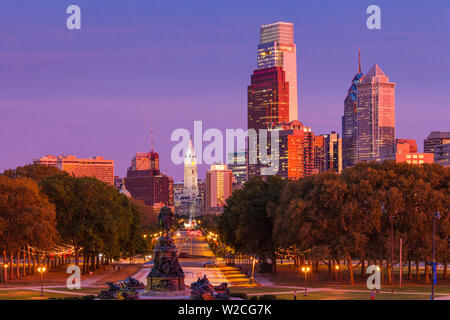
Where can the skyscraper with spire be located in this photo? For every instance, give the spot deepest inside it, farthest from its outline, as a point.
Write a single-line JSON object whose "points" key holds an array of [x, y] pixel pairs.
{"points": [[349, 120], [375, 115]]}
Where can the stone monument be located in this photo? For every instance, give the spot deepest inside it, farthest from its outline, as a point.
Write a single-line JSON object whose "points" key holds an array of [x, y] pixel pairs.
{"points": [[166, 276]]}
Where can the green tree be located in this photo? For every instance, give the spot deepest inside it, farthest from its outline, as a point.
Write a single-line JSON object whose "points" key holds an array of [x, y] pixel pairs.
{"points": [[26, 218]]}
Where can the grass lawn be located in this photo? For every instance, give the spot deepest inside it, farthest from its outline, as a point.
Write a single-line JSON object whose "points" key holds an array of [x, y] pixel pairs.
{"points": [[290, 276], [86, 291], [28, 295], [330, 295]]}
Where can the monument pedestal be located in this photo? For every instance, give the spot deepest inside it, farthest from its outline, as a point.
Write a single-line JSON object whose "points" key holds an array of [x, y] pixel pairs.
{"points": [[166, 276]]}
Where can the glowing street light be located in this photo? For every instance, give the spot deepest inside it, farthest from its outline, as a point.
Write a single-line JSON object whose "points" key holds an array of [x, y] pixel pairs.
{"points": [[5, 273], [41, 270], [305, 270], [337, 276]]}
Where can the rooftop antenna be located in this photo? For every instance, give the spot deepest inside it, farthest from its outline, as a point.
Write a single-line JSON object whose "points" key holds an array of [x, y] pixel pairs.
{"points": [[151, 133], [359, 59]]}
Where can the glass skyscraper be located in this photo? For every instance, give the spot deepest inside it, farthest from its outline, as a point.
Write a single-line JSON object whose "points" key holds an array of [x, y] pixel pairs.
{"points": [[375, 115], [277, 49], [349, 121]]}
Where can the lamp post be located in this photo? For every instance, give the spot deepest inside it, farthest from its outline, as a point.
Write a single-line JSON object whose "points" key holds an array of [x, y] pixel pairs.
{"points": [[391, 219], [433, 281], [41, 270], [337, 276], [5, 273], [305, 270]]}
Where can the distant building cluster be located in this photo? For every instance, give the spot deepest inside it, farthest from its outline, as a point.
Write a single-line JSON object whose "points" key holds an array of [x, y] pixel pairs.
{"points": [[368, 133]]}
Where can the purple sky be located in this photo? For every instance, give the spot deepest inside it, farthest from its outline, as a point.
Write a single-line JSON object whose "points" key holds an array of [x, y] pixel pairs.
{"points": [[92, 92]]}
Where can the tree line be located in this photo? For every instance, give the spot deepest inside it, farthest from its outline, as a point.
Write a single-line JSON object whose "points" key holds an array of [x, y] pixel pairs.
{"points": [[44, 211], [330, 218]]}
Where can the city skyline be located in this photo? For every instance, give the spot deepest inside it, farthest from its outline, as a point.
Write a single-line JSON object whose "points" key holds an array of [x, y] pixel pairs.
{"points": [[71, 107]]}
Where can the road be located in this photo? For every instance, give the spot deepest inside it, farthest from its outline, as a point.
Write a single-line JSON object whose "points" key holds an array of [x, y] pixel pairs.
{"points": [[198, 253]]}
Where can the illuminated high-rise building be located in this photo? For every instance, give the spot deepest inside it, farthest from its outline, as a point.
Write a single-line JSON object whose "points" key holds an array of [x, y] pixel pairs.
{"points": [[375, 115], [145, 161], [144, 181], [328, 152], [237, 163], [96, 167], [349, 120], [219, 186], [295, 151], [268, 98], [277, 49]]}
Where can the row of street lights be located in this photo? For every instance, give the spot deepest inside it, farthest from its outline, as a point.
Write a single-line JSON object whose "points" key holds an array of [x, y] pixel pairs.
{"points": [[40, 269]]}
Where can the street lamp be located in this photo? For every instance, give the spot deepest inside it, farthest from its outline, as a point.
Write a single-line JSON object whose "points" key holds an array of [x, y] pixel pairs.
{"points": [[337, 276], [5, 273], [391, 219], [436, 215], [41, 270], [305, 270]]}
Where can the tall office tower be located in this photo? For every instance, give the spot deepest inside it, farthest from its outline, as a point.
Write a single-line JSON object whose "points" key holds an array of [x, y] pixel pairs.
{"points": [[219, 186], [277, 49], [319, 154], [145, 161], [96, 167], [295, 151], [375, 115], [268, 98], [236, 162], [333, 152], [434, 139], [327, 153], [190, 189], [149, 184], [349, 120]]}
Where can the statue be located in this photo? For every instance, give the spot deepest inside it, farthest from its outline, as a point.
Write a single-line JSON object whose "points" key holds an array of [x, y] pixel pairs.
{"points": [[166, 275], [165, 218]]}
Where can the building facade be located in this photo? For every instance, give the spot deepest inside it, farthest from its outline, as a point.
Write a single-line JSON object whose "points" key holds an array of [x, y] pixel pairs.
{"points": [[47, 160], [442, 154], [349, 120], [295, 152], [328, 153], [145, 161], [277, 49], [219, 186], [405, 150], [268, 98], [149, 184], [96, 167], [237, 163], [375, 115], [435, 138]]}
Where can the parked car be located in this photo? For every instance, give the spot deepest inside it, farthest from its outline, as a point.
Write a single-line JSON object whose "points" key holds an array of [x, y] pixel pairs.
{"points": [[209, 264]]}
